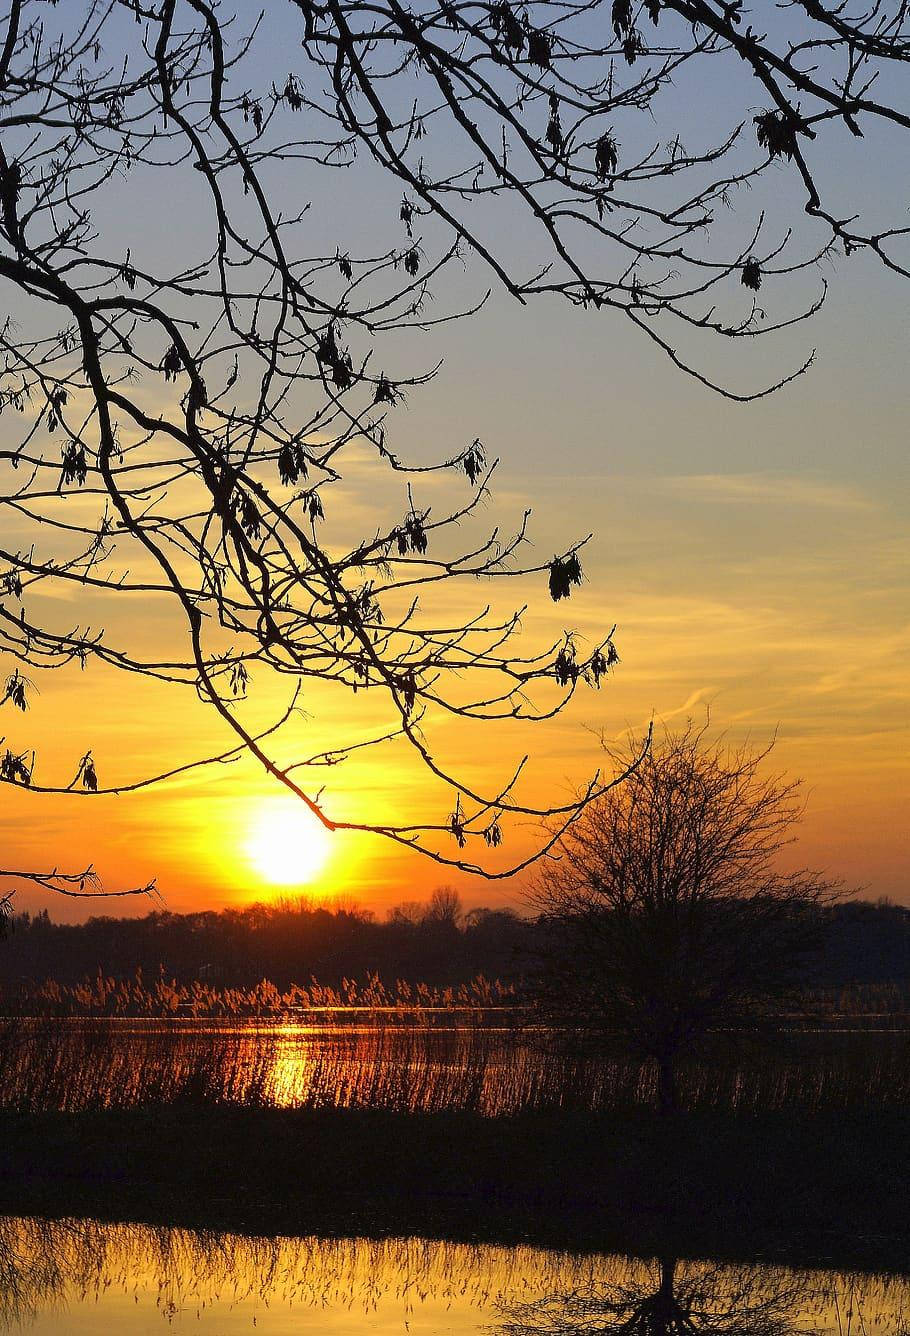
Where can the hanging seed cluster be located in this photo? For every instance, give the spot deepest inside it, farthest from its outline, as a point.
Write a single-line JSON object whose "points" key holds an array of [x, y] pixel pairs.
{"points": [[473, 461], [88, 774], [292, 463], [14, 769], [602, 660], [74, 467], [752, 275], [776, 133], [564, 573], [626, 32], [336, 361], [386, 391], [170, 363], [16, 688], [56, 402], [312, 504]]}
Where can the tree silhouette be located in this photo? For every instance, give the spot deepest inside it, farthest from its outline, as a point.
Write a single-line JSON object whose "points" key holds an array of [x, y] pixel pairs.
{"points": [[591, 118], [668, 912], [203, 408], [182, 423], [670, 1299]]}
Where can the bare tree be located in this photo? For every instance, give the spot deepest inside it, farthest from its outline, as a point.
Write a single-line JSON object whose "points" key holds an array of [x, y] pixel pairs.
{"points": [[668, 912], [204, 409], [668, 1298], [444, 908]]}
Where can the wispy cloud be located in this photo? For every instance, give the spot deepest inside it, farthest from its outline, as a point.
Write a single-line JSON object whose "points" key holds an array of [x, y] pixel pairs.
{"points": [[777, 489]]}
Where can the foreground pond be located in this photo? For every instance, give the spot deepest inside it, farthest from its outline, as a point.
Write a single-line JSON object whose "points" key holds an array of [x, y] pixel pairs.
{"points": [[79, 1276]]}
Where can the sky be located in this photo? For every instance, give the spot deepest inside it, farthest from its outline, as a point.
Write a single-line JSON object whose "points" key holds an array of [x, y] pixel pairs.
{"points": [[753, 558]]}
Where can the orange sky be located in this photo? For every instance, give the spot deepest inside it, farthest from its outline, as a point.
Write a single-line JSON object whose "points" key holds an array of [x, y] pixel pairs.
{"points": [[754, 560]]}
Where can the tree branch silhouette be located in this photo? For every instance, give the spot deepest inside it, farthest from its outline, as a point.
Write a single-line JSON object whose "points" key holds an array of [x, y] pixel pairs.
{"points": [[178, 427]]}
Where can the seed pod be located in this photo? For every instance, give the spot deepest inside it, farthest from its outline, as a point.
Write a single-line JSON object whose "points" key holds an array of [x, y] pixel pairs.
{"points": [[327, 347], [622, 16], [473, 461], [408, 689], [292, 94], [632, 46], [776, 133], [457, 824], [493, 835], [171, 364], [249, 517], [239, 679], [15, 691], [752, 275], [540, 45], [343, 372], [564, 572], [300, 460], [313, 505], [554, 127], [288, 470], [565, 669], [416, 534], [75, 464], [606, 156], [508, 27], [386, 391]]}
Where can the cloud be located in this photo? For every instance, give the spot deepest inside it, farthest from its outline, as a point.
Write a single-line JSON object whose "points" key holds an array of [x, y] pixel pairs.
{"points": [[777, 489]]}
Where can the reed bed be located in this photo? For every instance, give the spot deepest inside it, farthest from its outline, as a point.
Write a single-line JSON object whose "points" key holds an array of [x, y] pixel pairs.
{"points": [[93, 1065], [161, 997]]}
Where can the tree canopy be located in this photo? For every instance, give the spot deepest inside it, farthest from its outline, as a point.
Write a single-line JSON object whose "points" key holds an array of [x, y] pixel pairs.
{"points": [[670, 911]]}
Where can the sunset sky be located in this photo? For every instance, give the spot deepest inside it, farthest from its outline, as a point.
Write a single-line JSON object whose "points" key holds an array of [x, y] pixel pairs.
{"points": [[754, 559]]}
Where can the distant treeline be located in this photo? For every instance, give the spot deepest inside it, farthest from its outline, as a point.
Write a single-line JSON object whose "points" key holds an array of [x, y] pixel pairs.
{"points": [[286, 942], [864, 964]]}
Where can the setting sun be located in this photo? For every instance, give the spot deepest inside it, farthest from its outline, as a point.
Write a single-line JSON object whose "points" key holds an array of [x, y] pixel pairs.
{"points": [[286, 844]]}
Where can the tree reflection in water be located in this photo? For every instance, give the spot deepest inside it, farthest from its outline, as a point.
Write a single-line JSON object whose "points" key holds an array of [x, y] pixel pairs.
{"points": [[672, 1298], [51, 1272]]}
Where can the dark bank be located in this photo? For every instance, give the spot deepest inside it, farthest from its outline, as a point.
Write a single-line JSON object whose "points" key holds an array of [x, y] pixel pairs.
{"points": [[826, 1190]]}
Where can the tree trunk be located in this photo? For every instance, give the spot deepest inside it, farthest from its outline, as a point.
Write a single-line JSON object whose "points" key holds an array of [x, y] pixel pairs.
{"points": [[667, 1091]]}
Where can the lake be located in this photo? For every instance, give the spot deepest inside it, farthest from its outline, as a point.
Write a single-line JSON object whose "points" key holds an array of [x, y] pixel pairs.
{"points": [[74, 1277], [73, 1065]]}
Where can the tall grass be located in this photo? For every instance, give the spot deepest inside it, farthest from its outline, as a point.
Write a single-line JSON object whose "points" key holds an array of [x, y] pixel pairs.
{"points": [[91, 1065], [162, 997]]}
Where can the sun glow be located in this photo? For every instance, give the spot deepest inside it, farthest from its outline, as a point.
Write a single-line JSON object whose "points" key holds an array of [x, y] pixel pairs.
{"points": [[286, 844]]}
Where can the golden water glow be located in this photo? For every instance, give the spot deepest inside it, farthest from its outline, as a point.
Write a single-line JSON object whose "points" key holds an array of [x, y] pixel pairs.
{"points": [[286, 845], [71, 1276]]}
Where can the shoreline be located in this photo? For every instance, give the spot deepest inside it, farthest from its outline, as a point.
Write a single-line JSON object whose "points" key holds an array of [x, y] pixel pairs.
{"points": [[804, 1191]]}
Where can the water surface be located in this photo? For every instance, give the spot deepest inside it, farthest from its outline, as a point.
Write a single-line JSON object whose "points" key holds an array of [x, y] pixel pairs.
{"points": [[75, 1277], [492, 1070]]}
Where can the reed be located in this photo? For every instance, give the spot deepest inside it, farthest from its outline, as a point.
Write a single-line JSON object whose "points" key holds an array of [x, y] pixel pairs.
{"points": [[78, 1066], [162, 997]]}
